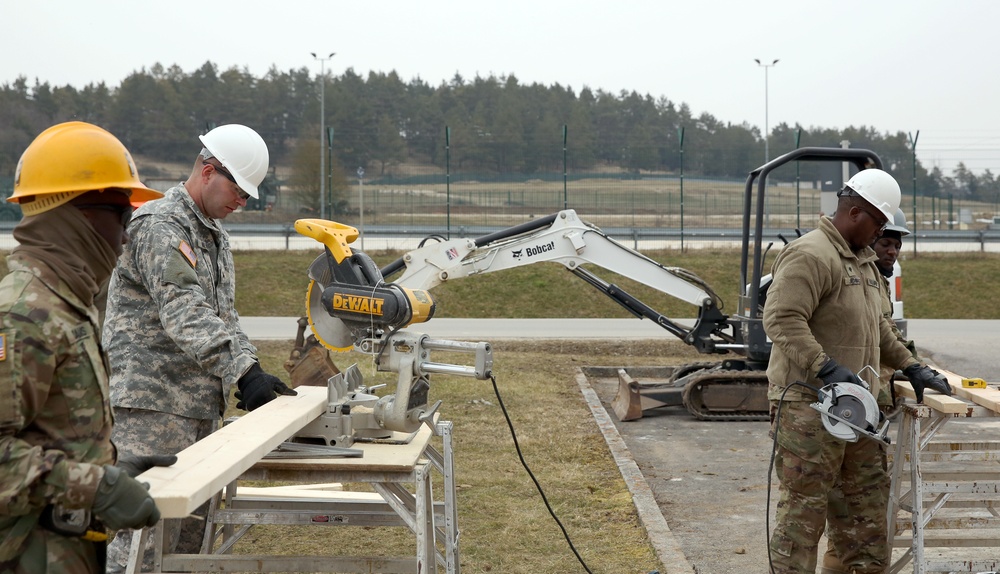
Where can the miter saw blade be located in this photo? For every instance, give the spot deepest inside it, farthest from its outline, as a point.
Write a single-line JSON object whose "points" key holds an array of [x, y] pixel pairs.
{"points": [[848, 411], [332, 332]]}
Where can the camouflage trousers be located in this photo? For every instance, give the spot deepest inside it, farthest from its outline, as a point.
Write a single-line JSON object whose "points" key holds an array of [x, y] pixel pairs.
{"points": [[142, 432], [49, 553], [810, 463]]}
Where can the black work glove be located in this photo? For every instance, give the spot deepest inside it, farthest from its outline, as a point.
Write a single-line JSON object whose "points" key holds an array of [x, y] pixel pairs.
{"points": [[124, 502], [832, 372], [922, 376], [257, 388], [134, 465]]}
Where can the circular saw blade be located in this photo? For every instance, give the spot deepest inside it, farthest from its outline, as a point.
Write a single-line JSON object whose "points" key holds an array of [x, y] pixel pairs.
{"points": [[854, 404], [851, 410], [330, 331]]}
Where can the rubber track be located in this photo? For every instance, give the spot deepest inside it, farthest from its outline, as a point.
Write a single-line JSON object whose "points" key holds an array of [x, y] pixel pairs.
{"points": [[694, 385]]}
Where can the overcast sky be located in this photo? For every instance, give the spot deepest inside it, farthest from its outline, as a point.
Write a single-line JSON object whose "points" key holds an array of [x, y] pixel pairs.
{"points": [[895, 65]]}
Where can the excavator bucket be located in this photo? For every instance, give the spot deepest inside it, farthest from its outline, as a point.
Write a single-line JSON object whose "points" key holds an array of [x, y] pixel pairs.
{"points": [[627, 403], [309, 362]]}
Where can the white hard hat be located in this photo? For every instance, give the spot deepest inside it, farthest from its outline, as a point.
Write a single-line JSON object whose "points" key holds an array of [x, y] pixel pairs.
{"points": [[877, 188], [241, 151], [898, 224]]}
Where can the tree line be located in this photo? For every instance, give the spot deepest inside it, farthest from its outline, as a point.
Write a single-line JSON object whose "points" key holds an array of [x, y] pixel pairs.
{"points": [[483, 124]]}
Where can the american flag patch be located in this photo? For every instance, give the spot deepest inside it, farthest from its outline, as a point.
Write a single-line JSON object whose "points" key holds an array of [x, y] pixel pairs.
{"points": [[188, 253], [3, 347], [451, 253]]}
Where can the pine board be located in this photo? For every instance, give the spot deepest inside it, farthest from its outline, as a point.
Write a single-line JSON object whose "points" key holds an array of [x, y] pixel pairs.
{"points": [[207, 466]]}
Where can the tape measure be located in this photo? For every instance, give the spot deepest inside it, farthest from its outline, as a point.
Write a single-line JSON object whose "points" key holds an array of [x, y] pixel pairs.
{"points": [[973, 384]]}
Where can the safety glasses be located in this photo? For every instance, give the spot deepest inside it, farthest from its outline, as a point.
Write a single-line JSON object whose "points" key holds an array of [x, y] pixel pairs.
{"points": [[878, 220], [124, 212], [219, 169]]}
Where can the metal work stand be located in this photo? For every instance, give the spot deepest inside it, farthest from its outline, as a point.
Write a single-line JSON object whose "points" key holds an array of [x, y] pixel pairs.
{"points": [[433, 523], [935, 502]]}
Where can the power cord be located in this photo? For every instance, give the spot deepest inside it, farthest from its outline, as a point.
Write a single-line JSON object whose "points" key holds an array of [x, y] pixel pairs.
{"points": [[538, 486]]}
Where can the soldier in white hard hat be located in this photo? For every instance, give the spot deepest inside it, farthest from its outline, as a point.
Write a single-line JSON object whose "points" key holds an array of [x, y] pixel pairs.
{"points": [[172, 333], [824, 316], [840, 521]]}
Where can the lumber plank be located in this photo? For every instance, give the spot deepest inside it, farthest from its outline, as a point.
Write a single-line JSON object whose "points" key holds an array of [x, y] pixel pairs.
{"points": [[378, 457], [208, 465], [988, 397], [938, 402]]}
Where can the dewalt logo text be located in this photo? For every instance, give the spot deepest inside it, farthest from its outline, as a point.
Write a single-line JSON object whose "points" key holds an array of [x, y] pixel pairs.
{"points": [[355, 304]]}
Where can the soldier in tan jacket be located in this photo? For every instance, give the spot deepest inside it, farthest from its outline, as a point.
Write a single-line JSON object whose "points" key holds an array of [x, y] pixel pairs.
{"points": [[824, 316]]}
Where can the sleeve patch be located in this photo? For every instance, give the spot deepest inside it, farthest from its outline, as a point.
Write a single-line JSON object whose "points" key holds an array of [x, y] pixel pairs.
{"points": [[3, 346], [188, 253]]}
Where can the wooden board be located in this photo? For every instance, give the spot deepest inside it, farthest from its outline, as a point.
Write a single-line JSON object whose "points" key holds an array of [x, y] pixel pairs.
{"points": [[938, 402], [988, 397], [207, 466], [377, 457]]}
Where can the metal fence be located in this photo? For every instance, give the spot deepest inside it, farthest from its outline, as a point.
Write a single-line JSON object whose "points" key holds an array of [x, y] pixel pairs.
{"points": [[648, 210]]}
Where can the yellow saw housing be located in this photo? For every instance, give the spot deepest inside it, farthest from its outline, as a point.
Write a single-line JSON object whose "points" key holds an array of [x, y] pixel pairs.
{"points": [[347, 300]]}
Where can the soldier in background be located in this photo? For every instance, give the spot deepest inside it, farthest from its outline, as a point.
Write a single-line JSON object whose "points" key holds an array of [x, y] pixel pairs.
{"points": [[57, 479], [172, 333]]}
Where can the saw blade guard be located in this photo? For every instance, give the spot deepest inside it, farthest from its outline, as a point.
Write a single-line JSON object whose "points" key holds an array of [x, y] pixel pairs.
{"points": [[850, 402], [347, 301]]}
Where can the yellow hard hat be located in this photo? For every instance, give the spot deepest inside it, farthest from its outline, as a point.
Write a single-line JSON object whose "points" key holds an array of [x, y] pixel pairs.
{"points": [[70, 159]]}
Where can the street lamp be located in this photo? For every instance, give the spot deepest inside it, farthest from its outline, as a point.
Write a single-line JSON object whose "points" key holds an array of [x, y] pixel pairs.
{"points": [[767, 156], [322, 131]]}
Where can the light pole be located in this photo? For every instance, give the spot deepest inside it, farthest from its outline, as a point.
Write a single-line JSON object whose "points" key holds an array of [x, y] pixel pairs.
{"points": [[322, 130], [767, 156]]}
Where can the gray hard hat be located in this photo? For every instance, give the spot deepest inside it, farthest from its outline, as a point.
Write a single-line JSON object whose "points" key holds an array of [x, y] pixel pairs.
{"points": [[898, 224]]}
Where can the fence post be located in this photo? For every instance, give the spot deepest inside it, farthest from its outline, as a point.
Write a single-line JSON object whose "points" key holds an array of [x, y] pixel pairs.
{"points": [[680, 137], [913, 148]]}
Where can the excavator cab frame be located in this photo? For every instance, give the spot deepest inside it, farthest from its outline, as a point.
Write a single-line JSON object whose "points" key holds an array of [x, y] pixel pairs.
{"points": [[749, 314]]}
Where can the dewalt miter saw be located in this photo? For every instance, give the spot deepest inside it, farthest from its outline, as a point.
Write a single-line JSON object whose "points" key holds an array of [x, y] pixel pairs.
{"points": [[349, 305], [347, 301], [849, 411]]}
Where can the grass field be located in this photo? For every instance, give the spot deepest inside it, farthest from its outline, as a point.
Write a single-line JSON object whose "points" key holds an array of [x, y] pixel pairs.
{"points": [[504, 524], [935, 286]]}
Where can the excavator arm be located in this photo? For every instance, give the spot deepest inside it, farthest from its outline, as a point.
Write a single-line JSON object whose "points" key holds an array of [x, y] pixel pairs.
{"points": [[565, 239]]}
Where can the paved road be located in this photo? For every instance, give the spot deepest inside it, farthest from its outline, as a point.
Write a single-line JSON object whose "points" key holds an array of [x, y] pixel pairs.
{"points": [[962, 346]]}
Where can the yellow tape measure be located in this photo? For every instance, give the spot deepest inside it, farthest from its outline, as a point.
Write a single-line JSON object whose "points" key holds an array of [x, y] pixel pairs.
{"points": [[973, 383]]}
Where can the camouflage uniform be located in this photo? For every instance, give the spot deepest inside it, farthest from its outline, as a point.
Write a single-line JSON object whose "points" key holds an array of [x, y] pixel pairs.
{"points": [[172, 333], [55, 421], [825, 301]]}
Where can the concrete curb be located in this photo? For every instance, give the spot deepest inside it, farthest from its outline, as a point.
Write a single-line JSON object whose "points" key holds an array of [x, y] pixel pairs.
{"points": [[664, 544]]}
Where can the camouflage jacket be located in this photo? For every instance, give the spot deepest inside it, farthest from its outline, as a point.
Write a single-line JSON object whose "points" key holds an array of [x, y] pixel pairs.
{"points": [[171, 331], [55, 419]]}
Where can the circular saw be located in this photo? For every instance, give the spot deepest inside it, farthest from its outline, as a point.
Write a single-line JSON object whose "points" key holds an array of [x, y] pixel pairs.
{"points": [[849, 411]]}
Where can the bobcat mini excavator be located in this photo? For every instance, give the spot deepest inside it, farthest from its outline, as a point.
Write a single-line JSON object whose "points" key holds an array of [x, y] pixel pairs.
{"points": [[734, 388]]}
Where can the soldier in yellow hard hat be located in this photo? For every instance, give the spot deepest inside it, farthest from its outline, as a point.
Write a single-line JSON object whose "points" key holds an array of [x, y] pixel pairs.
{"points": [[59, 485]]}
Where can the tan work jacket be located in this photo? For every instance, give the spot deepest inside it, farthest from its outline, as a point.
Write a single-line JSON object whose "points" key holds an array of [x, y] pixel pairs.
{"points": [[825, 300]]}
